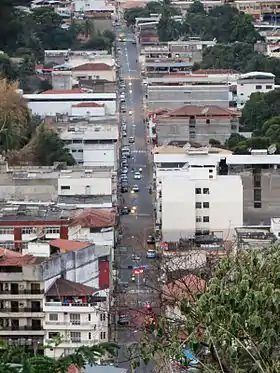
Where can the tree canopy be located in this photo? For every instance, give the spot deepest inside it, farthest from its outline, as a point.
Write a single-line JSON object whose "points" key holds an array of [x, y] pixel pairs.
{"points": [[233, 326]]}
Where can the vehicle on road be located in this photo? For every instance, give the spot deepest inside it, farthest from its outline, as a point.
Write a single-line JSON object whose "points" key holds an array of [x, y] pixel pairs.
{"points": [[124, 163], [135, 188], [124, 170], [140, 169], [124, 134], [123, 320], [131, 140], [137, 176], [124, 188], [125, 210], [130, 112], [135, 257], [151, 240], [151, 254]]}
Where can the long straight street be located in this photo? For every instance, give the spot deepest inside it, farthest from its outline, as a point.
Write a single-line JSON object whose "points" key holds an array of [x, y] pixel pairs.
{"points": [[138, 225]]}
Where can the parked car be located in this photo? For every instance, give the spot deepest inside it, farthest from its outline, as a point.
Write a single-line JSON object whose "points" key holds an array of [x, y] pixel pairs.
{"points": [[124, 170], [123, 320], [124, 188], [137, 175], [151, 240], [131, 140], [125, 210], [151, 254], [135, 188]]}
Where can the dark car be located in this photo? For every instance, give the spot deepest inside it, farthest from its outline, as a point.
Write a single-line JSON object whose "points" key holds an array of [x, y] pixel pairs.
{"points": [[123, 320], [125, 210], [151, 240], [124, 188]]}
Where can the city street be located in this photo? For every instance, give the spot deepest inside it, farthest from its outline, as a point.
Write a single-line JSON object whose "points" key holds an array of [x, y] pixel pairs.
{"points": [[138, 225]]}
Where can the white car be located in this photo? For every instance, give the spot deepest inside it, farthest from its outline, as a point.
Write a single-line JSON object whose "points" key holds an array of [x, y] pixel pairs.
{"points": [[135, 188], [137, 176]]}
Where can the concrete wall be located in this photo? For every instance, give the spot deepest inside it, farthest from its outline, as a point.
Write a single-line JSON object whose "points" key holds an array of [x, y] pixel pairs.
{"points": [[85, 186], [176, 97]]}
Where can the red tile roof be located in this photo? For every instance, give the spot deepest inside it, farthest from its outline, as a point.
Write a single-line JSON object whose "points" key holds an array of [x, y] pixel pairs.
{"points": [[88, 104], [186, 287], [73, 369], [203, 111], [62, 91], [133, 4], [93, 67], [94, 218], [9, 253], [63, 288], [66, 246], [19, 260]]}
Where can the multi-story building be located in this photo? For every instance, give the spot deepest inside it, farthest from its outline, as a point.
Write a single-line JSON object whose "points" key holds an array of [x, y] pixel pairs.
{"points": [[172, 57], [196, 123], [78, 314], [252, 82], [25, 278], [22, 225], [190, 202], [93, 143], [94, 71], [76, 58], [207, 4], [258, 172], [177, 90]]}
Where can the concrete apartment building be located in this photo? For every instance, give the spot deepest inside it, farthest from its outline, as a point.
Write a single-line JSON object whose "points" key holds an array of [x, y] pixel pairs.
{"points": [[92, 142], [200, 88], [172, 57], [195, 123], [24, 281], [258, 171], [189, 201], [78, 186], [255, 81], [69, 58]]}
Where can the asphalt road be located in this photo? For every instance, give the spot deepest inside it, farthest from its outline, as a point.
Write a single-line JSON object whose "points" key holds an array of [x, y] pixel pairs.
{"points": [[135, 227]]}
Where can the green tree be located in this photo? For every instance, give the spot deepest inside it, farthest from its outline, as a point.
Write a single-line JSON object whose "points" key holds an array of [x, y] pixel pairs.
{"points": [[8, 69], [236, 318], [50, 148]]}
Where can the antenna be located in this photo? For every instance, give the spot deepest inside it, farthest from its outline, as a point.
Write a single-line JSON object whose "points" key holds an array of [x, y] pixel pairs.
{"points": [[272, 149]]}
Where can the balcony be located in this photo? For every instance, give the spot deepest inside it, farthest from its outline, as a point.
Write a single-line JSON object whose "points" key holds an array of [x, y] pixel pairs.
{"points": [[68, 325], [68, 343], [22, 294], [21, 312], [73, 307], [18, 330]]}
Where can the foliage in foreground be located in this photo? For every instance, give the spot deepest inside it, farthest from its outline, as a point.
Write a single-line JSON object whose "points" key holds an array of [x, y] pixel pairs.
{"points": [[234, 326], [10, 356]]}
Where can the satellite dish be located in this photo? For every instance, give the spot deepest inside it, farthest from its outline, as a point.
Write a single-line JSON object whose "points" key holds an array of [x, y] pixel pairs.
{"points": [[272, 149]]}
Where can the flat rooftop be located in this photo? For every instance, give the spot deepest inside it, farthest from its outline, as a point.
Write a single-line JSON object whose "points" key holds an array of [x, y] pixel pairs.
{"points": [[92, 129]]}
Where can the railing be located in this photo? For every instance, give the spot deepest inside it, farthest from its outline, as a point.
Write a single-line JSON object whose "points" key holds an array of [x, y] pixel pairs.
{"points": [[22, 309], [15, 328], [81, 341], [19, 292], [68, 323]]}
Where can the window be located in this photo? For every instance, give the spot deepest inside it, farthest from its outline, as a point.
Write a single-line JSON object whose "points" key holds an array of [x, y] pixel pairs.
{"points": [[75, 318], [89, 335], [233, 127], [65, 187], [268, 86], [205, 190], [102, 316], [206, 205], [197, 190], [75, 336], [198, 205], [51, 230], [258, 87], [27, 230], [198, 219], [257, 205], [207, 121], [53, 316], [80, 151], [6, 230], [206, 219], [103, 335], [89, 317], [257, 195]]}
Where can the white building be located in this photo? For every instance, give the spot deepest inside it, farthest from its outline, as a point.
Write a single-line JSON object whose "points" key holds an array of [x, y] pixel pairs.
{"points": [[75, 313], [190, 201], [52, 103], [87, 187], [253, 82], [93, 144], [94, 70], [92, 6]]}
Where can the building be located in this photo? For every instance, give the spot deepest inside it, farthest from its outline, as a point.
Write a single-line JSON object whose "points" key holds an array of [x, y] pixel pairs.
{"points": [[258, 170], [92, 143], [200, 88], [172, 57], [69, 58], [88, 188], [78, 314], [52, 103], [42, 185], [252, 82], [190, 202], [25, 278], [23, 225], [262, 10], [94, 71], [207, 4], [196, 123]]}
